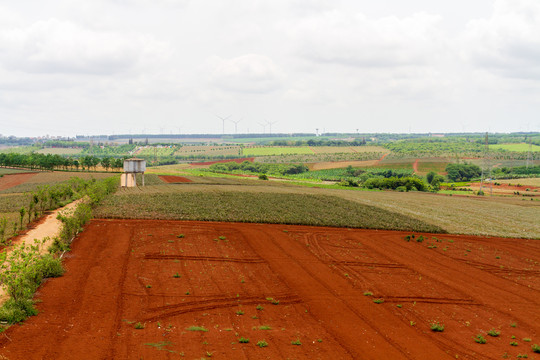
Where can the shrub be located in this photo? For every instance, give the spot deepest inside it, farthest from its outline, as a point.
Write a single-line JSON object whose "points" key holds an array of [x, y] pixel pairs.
{"points": [[535, 348], [378, 301], [493, 333], [480, 339], [296, 342], [514, 343], [262, 343], [243, 340], [197, 328], [14, 311], [139, 326], [436, 327], [263, 177]]}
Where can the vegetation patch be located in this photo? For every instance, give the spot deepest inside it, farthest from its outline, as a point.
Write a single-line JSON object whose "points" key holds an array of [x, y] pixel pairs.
{"points": [[278, 208]]}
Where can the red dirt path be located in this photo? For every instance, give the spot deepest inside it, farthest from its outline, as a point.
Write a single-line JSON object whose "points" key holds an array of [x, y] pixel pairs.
{"points": [[123, 272], [11, 180], [415, 166], [174, 179]]}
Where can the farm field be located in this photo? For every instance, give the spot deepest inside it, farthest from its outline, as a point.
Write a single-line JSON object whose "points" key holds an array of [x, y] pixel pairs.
{"points": [[30, 181], [348, 149], [515, 147], [462, 214], [277, 150], [173, 289], [59, 151]]}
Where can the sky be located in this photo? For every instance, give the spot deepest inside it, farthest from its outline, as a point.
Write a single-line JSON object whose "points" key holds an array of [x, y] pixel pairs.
{"points": [[73, 67]]}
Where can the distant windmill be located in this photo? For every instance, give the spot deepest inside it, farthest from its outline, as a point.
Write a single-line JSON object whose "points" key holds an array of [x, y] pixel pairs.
{"points": [[236, 125], [264, 127], [223, 120], [317, 131], [270, 124]]}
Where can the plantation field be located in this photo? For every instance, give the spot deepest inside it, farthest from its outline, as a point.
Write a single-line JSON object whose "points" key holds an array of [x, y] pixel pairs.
{"points": [[198, 150], [347, 149], [4, 171], [277, 150], [489, 216], [526, 181], [172, 289], [257, 207], [515, 147], [50, 178], [59, 151]]}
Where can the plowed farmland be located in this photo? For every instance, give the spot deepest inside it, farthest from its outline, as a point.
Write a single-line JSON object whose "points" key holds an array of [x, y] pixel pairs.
{"points": [[147, 289]]}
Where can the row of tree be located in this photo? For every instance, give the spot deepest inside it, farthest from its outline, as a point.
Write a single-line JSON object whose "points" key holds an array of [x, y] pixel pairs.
{"points": [[58, 162]]}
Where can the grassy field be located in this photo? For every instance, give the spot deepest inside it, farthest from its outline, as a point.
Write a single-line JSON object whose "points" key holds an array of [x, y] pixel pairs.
{"points": [[59, 151], [258, 207], [515, 147]]}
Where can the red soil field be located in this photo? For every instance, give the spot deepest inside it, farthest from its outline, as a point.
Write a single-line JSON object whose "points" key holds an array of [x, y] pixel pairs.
{"points": [[239, 161], [174, 179], [11, 180], [281, 283]]}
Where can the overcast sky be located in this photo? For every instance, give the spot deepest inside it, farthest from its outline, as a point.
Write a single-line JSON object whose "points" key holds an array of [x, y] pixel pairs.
{"points": [[72, 67]]}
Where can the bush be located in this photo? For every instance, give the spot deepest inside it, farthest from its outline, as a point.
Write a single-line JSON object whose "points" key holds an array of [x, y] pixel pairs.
{"points": [[17, 311], [263, 177]]}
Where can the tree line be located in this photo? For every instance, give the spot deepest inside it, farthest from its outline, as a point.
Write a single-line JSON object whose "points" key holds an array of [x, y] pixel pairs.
{"points": [[56, 162]]}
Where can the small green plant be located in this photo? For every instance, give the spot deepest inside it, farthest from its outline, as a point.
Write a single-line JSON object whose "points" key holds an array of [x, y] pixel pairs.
{"points": [[399, 306], [197, 328], [264, 327], [378, 301], [209, 354], [527, 339], [493, 333], [408, 238], [243, 340], [139, 326], [368, 293], [436, 327], [263, 177], [239, 312], [514, 343], [480, 339], [148, 286], [222, 237], [177, 275], [180, 236], [513, 325], [535, 348], [319, 340], [262, 343], [296, 342], [420, 239], [522, 356], [259, 307]]}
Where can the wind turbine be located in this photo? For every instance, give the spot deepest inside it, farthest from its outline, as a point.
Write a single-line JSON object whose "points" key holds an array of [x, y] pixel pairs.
{"points": [[223, 119], [236, 125], [270, 124], [264, 127]]}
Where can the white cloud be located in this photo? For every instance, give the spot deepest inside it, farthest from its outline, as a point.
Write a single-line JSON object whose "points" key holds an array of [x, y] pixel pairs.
{"points": [[251, 73], [355, 40], [54, 46], [507, 43]]}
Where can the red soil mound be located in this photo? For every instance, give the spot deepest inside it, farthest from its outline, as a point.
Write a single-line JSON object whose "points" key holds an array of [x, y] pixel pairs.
{"points": [[174, 179], [281, 284], [239, 161], [11, 180]]}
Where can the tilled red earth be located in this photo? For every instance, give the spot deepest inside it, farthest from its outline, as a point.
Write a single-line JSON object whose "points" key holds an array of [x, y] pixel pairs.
{"points": [[197, 288]]}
